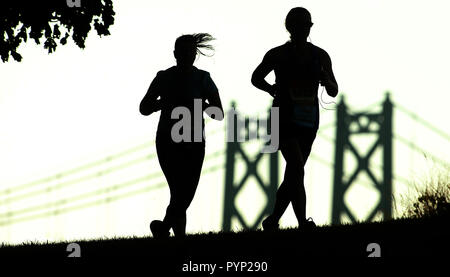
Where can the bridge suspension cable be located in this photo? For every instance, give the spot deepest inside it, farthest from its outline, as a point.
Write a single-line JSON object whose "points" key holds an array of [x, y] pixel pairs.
{"points": [[77, 169], [8, 218], [423, 122]]}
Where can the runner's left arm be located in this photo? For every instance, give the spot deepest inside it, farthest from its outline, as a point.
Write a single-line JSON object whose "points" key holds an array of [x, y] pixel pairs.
{"points": [[213, 98], [327, 75]]}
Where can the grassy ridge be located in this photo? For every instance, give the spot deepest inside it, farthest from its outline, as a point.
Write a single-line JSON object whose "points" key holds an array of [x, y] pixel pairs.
{"points": [[284, 249]]}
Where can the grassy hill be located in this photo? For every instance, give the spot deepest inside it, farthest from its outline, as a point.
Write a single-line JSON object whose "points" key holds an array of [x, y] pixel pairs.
{"points": [[283, 250]]}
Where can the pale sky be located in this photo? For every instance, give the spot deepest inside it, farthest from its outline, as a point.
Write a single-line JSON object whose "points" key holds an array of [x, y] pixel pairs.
{"points": [[72, 107]]}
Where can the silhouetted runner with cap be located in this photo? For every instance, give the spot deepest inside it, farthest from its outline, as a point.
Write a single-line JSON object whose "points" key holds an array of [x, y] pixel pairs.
{"points": [[299, 67], [181, 161]]}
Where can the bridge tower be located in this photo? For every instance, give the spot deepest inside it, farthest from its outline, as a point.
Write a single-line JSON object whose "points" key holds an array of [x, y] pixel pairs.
{"points": [[357, 124], [234, 151]]}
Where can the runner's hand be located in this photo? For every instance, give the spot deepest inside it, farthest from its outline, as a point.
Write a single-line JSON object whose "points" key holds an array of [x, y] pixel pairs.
{"points": [[274, 91]]}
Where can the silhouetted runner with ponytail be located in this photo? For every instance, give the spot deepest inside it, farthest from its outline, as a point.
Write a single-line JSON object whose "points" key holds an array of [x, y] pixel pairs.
{"points": [[181, 161], [299, 68]]}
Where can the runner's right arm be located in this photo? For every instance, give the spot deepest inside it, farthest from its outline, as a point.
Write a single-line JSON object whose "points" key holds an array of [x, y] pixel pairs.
{"points": [[150, 103], [260, 73]]}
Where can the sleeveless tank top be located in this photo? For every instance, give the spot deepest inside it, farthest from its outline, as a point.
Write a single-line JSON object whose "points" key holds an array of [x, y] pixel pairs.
{"points": [[298, 81]]}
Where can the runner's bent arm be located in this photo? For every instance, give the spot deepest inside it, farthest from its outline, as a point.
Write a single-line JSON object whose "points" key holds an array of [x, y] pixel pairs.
{"points": [[328, 79], [260, 73], [213, 97], [150, 103]]}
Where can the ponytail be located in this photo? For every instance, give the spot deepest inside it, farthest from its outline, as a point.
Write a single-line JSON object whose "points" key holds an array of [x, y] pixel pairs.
{"points": [[200, 41]]}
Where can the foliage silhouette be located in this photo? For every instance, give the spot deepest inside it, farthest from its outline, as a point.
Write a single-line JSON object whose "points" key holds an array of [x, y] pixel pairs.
{"points": [[52, 19], [431, 198]]}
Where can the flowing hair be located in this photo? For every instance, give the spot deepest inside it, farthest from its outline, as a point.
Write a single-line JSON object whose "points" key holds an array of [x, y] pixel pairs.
{"points": [[200, 41]]}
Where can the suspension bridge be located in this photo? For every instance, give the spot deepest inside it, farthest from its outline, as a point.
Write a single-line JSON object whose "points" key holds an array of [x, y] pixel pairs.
{"points": [[107, 180]]}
